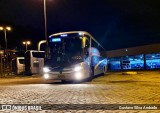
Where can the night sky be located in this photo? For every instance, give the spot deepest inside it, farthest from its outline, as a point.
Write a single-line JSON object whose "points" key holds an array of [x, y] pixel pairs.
{"points": [[115, 23]]}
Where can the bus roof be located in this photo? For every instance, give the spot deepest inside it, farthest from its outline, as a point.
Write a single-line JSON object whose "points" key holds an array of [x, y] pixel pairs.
{"points": [[81, 32], [34, 51]]}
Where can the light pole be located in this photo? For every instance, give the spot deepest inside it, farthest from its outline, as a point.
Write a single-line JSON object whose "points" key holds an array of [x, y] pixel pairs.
{"points": [[5, 29], [45, 20], [26, 43], [45, 28], [1, 55]]}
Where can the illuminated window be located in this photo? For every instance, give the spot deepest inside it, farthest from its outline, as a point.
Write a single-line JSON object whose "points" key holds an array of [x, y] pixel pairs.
{"points": [[114, 64], [133, 62], [153, 61]]}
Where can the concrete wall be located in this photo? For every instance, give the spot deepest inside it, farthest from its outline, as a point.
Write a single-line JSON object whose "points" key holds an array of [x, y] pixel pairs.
{"points": [[154, 48]]}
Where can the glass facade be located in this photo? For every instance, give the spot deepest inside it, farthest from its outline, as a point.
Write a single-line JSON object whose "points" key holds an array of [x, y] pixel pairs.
{"points": [[153, 61], [147, 61], [114, 64], [133, 62]]}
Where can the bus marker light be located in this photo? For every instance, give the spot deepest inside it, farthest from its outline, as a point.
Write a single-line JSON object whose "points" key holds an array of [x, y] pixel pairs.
{"points": [[64, 35], [80, 33]]}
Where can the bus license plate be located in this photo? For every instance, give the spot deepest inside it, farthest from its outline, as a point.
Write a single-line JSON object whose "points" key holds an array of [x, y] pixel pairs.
{"points": [[61, 76]]}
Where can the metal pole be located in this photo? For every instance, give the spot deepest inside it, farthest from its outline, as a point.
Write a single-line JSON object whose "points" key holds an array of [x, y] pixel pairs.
{"points": [[26, 46], [45, 28], [90, 53], [5, 34], [1, 64], [39, 44], [45, 20]]}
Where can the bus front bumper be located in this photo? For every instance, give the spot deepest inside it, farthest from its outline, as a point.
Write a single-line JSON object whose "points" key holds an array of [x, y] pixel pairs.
{"points": [[65, 76]]}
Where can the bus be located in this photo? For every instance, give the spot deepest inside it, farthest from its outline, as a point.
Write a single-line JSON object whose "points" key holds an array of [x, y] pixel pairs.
{"points": [[34, 62], [73, 56]]}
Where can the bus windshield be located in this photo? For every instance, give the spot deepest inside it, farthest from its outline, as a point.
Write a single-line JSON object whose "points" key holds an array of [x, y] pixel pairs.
{"points": [[38, 54], [21, 61], [66, 50]]}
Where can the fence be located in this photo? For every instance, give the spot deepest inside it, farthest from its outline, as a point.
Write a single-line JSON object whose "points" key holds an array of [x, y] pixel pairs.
{"points": [[5, 67]]}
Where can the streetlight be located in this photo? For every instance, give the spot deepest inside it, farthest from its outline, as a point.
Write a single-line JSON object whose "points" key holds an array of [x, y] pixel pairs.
{"points": [[45, 20], [26, 43], [5, 29]]}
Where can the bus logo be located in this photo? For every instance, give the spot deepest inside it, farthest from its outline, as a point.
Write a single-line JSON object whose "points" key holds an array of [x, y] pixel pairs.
{"points": [[6, 107], [61, 76]]}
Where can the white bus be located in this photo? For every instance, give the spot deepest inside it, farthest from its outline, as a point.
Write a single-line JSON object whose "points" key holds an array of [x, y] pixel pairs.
{"points": [[34, 62], [73, 56]]}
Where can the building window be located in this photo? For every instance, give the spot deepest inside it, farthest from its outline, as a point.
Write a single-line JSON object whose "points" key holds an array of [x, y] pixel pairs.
{"points": [[133, 62], [114, 64], [153, 61]]}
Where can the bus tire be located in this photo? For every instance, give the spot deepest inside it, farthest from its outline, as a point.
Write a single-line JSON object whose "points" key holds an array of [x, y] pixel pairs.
{"points": [[104, 70]]}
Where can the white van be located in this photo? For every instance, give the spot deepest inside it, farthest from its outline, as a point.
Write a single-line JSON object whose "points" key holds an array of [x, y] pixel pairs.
{"points": [[18, 66]]}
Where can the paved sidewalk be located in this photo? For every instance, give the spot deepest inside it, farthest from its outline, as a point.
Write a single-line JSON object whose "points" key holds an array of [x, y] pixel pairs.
{"points": [[120, 77], [109, 77], [113, 88]]}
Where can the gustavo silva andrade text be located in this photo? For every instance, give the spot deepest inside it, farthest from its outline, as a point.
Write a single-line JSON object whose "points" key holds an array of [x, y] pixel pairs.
{"points": [[138, 107]]}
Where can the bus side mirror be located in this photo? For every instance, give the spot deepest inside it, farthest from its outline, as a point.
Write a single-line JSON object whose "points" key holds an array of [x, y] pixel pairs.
{"points": [[84, 42]]}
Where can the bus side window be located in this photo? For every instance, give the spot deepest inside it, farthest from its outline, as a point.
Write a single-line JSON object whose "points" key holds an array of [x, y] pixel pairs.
{"points": [[58, 59], [86, 55]]}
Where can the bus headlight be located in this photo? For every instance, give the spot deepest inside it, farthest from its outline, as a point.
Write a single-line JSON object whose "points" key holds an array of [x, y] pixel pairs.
{"points": [[78, 76], [46, 69], [77, 68], [46, 76]]}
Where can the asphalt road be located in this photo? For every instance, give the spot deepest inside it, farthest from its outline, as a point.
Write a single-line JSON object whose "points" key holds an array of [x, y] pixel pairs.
{"points": [[113, 88]]}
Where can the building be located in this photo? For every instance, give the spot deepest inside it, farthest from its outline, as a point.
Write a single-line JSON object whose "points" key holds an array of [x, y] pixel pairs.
{"points": [[140, 57]]}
